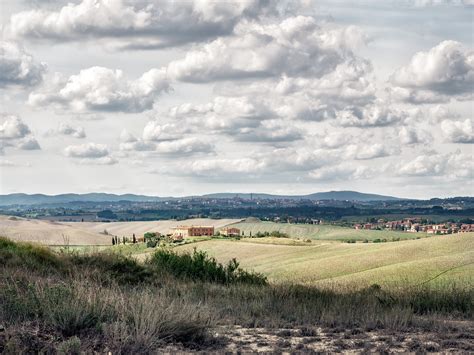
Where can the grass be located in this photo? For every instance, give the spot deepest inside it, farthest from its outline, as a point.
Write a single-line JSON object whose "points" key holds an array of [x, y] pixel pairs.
{"points": [[323, 232], [100, 302], [326, 262]]}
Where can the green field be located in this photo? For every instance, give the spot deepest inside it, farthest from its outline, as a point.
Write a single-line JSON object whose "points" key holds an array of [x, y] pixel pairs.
{"points": [[323, 231], [328, 262]]}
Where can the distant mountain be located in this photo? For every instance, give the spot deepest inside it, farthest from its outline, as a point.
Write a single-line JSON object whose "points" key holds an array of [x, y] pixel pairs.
{"points": [[38, 199], [331, 195]]}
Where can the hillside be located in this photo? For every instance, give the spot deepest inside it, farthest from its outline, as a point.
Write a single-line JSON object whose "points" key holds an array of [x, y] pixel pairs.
{"points": [[37, 199], [321, 232], [330, 195], [88, 233], [397, 263]]}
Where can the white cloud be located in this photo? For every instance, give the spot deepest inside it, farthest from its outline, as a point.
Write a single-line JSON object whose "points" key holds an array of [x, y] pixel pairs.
{"points": [[270, 131], [458, 131], [377, 115], [156, 131], [408, 135], [17, 67], [136, 25], [456, 165], [87, 150], [445, 71], [184, 146], [68, 130], [295, 47], [367, 151], [15, 133], [227, 167], [340, 172], [103, 89]]}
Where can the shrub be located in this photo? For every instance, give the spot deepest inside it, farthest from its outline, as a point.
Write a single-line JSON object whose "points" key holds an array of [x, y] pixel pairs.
{"points": [[71, 346], [119, 268], [199, 266], [72, 309], [278, 234], [29, 255], [151, 239], [147, 321]]}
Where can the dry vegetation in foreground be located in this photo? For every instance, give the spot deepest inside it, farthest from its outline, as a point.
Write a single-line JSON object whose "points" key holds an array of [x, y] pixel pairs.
{"points": [[71, 303]]}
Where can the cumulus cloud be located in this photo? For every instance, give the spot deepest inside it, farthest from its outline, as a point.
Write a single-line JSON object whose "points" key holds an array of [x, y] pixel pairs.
{"points": [[271, 131], [445, 71], [17, 67], [376, 115], [87, 150], [348, 83], [218, 168], [15, 133], [456, 165], [368, 151], [409, 135], [136, 25], [340, 172], [458, 131], [295, 47], [184, 146], [103, 89], [67, 130], [90, 154]]}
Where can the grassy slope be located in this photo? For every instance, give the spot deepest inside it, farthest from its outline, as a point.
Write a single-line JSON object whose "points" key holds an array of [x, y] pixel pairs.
{"points": [[411, 261], [322, 232]]}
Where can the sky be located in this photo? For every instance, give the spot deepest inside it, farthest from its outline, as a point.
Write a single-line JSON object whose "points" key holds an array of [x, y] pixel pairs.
{"points": [[175, 98]]}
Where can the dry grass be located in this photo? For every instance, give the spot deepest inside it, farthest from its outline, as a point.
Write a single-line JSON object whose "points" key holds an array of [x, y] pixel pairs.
{"points": [[107, 302], [322, 232], [405, 262], [89, 233]]}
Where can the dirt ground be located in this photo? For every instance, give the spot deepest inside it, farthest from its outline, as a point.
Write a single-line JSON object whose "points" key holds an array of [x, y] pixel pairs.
{"points": [[353, 340], [455, 337]]}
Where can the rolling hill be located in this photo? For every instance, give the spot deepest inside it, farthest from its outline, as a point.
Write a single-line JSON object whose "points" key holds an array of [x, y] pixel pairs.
{"points": [[330, 195], [326, 262], [37, 199]]}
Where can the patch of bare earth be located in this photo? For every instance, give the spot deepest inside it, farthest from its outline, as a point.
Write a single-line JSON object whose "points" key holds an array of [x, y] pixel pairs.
{"points": [[355, 340]]}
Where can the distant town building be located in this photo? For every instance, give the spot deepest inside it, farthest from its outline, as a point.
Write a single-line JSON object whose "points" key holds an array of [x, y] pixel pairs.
{"points": [[192, 231], [230, 232]]}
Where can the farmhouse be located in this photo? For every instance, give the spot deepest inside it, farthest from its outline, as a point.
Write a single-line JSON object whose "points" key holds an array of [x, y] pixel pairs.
{"points": [[230, 232], [192, 231]]}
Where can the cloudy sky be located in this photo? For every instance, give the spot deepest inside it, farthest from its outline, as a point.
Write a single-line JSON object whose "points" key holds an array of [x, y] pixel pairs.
{"points": [[191, 97]]}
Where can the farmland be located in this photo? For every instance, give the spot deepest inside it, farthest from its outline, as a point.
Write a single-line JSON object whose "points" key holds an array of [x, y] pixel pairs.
{"points": [[89, 233], [327, 262], [312, 254], [321, 232], [302, 286]]}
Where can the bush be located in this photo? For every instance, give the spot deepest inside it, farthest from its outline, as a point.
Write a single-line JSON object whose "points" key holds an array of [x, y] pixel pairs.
{"points": [[29, 255], [151, 239], [278, 234], [115, 267], [72, 346], [199, 266], [147, 322]]}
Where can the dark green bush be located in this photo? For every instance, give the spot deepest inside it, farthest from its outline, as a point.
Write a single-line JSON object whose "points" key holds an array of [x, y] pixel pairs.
{"points": [[200, 266], [120, 268], [36, 257]]}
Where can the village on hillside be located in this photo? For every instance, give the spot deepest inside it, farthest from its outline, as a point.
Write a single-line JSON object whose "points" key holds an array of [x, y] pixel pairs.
{"points": [[415, 225]]}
